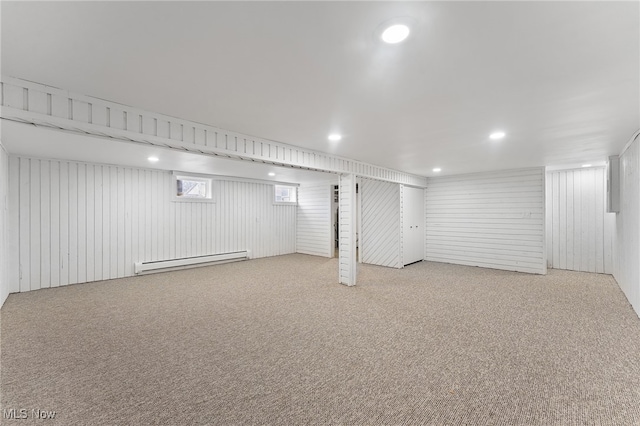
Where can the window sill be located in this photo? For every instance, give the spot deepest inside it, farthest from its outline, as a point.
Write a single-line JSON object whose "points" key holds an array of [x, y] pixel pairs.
{"points": [[193, 200]]}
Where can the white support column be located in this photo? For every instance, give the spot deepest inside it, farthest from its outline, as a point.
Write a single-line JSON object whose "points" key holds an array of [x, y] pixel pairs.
{"points": [[347, 235]]}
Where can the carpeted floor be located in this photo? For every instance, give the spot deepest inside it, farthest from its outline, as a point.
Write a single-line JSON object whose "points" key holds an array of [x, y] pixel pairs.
{"points": [[277, 341]]}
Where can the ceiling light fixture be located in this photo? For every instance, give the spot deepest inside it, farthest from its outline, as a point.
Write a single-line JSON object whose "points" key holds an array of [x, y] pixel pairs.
{"points": [[437, 169], [153, 159], [334, 137], [395, 33], [497, 135], [586, 165], [271, 174]]}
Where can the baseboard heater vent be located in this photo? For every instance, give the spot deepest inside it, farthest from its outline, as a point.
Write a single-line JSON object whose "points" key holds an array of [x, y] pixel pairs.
{"points": [[188, 262]]}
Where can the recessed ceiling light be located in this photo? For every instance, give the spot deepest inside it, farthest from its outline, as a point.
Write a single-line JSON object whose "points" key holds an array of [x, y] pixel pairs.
{"points": [[271, 174], [334, 137], [395, 33], [437, 169], [586, 165], [497, 135], [153, 159]]}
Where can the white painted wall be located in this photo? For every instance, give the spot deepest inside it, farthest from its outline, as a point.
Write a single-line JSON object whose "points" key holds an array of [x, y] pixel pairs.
{"points": [[627, 265], [493, 220], [380, 226], [4, 248], [315, 234], [579, 230], [76, 222]]}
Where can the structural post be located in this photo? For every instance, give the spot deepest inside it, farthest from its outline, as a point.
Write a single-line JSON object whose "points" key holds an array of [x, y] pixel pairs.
{"points": [[347, 230]]}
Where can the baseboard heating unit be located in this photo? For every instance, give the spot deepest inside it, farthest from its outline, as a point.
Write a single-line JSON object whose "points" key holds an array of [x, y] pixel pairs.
{"points": [[188, 262]]}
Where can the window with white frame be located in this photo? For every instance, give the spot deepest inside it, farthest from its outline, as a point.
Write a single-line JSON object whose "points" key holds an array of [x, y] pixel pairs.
{"points": [[192, 188], [285, 194]]}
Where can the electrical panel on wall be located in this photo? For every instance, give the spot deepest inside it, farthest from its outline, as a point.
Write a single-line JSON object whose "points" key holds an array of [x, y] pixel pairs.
{"points": [[613, 184]]}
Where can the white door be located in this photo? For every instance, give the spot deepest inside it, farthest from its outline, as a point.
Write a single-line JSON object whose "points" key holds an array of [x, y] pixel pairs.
{"points": [[413, 225]]}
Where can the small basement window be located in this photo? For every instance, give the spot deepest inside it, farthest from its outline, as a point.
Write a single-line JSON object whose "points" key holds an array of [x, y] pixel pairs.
{"points": [[192, 188], [285, 194]]}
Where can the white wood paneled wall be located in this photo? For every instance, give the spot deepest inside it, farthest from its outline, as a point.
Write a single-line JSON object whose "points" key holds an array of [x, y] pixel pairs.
{"points": [[579, 231], [39, 104], [381, 219], [314, 226], [76, 222], [4, 212], [347, 232], [627, 268], [492, 220]]}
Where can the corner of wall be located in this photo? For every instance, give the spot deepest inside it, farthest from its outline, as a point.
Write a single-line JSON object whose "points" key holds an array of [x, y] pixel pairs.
{"points": [[627, 235], [4, 252]]}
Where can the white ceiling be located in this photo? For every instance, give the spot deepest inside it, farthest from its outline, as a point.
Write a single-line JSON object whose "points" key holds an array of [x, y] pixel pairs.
{"points": [[560, 78]]}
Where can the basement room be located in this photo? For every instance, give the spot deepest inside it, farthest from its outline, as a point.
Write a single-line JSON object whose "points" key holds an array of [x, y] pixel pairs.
{"points": [[320, 213]]}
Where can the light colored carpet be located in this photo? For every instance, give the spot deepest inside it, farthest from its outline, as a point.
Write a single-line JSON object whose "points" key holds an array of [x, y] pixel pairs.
{"points": [[277, 341]]}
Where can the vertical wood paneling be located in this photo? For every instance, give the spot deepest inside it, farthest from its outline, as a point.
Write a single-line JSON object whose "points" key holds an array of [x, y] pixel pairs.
{"points": [[64, 223], [24, 186], [120, 209], [14, 226], [55, 223], [134, 215], [73, 222], [314, 225], [90, 222], [142, 213], [45, 224], [555, 188], [77, 222], [562, 225], [627, 271], [99, 224], [577, 202], [588, 228], [34, 231], [128, 242], [113, 222], [381, 232], [570, 259], [579, 229], [5, 222], [493, 220], [548, 218], [82, 223], [172, 221], [600, 209], [148, 218]]}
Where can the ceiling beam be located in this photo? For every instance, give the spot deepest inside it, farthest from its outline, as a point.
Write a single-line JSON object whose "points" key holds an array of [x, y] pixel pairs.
{"points": [[38, 104]]}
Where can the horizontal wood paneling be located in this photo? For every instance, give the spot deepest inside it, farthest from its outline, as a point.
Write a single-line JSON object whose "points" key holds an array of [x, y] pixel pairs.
{"points": [[95, 116], [314, 227], [579, 231], [493, 220], [79, 222], [381, 232]]}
